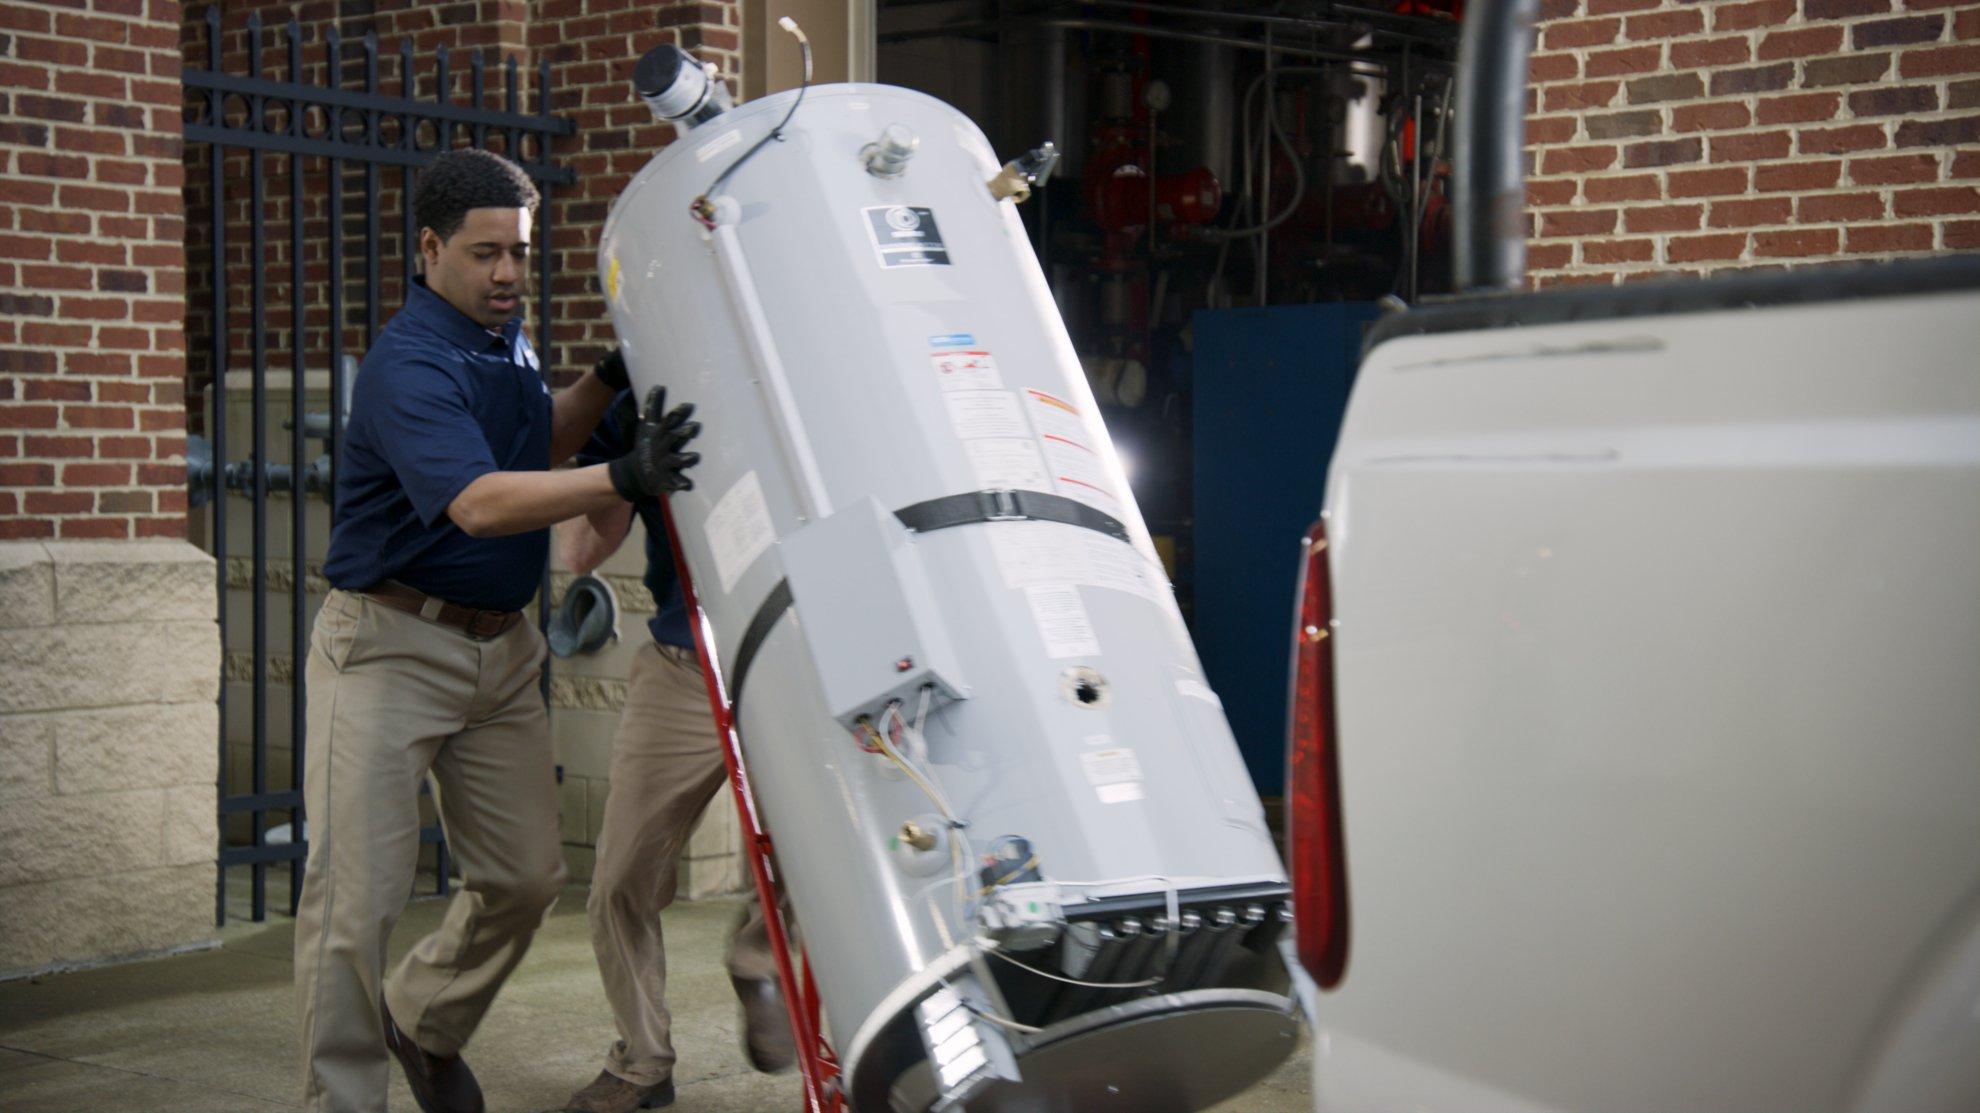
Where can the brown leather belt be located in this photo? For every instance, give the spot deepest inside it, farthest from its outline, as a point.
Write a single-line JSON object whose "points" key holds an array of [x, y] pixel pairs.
{"points": [[477, 624]]}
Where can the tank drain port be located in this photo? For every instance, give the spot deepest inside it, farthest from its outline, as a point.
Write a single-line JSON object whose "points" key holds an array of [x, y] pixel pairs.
{"points": [[1085, 687]]}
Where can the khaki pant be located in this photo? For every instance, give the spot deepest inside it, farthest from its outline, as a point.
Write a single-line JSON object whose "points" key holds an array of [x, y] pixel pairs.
{"points": [[393, 698], [666, 766]]}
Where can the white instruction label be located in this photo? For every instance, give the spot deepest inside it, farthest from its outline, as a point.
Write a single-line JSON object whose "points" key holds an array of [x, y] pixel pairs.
{"points": [[717, 145], [1196, 689], [1077, 469], [1062, 621], [738, 530], [976, 414], [1031, 553], [1008, 462], [1114, 774], [966, 369], [1113, 563]]}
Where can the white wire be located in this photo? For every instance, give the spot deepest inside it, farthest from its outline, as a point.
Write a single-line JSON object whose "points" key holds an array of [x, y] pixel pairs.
{"points": [[921, 712], [1272, 129], [960, 855]]}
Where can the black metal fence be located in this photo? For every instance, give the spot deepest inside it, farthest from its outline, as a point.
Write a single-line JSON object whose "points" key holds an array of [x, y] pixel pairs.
{"points": [[350, 133]]}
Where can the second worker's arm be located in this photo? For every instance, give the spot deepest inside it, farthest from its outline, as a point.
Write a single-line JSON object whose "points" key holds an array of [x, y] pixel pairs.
{"points": [[588, 540], [575, 410], [504, 502]]}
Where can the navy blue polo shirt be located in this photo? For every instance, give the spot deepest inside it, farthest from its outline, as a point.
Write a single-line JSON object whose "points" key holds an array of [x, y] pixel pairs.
{"points": [[610, 441], [439, 403]]}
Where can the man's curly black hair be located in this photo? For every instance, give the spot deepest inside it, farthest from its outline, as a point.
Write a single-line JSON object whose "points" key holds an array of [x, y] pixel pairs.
{"points": [[468, 179]]}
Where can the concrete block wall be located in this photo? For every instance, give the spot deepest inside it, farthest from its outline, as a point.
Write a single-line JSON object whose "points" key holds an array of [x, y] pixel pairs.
{"points": [[1680, 137], [109, 664]]}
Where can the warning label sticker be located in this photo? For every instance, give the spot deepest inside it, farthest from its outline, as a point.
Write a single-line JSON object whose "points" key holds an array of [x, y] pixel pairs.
{"points": [[905, 236], [1077, 470], [1062, 621], [985, 413], [1113, 563], [966, 369], [1031, 553], [1007, 462], [1114, 774], [738, 530]]}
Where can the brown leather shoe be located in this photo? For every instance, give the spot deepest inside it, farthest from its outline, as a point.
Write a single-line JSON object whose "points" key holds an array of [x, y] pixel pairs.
{"points": [[440, 1084], [766, 1027], [608, 1093]]}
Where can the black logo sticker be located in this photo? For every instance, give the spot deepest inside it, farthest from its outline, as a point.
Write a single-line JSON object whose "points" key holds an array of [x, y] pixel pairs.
{"points": [[905, 237]]}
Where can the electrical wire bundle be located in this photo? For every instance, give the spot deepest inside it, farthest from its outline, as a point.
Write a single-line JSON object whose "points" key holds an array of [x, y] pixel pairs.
{"points": [[966, 896], [702, 208]]}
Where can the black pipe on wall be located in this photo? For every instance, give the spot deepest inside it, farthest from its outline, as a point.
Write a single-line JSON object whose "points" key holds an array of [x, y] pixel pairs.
{"points": [[1488, 177]]}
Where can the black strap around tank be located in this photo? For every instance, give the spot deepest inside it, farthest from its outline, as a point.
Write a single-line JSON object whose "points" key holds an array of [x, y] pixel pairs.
{"points": [[1007, 506], [934, 514], [766, 616]]}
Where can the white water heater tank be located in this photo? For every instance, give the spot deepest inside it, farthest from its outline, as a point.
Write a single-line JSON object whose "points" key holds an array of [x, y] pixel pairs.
{"points": [[1028, 866]]}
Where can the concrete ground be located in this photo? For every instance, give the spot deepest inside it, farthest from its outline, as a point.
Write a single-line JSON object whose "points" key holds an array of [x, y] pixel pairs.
{"points": [[214, 1031]]}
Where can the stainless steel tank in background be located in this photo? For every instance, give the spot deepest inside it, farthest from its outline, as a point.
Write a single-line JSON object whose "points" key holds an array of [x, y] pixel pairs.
{"points": [[972, 717]]}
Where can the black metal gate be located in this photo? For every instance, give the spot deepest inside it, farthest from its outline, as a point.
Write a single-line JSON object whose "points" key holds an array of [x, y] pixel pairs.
{"points": [[350, 132]]}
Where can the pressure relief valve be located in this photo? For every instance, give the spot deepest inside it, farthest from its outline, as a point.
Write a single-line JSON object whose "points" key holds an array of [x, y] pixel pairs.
{"points": [[887, 156]]}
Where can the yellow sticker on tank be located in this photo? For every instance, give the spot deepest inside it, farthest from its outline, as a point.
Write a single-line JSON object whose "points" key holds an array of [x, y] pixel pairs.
{"points": [[612, 279]]}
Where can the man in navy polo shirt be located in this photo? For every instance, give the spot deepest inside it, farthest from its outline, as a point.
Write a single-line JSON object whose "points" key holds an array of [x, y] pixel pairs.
{"points": [[420, 662]]}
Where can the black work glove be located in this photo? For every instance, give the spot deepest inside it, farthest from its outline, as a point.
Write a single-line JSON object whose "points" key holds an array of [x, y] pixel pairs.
{"points": [[655, 465], [612, 370]]}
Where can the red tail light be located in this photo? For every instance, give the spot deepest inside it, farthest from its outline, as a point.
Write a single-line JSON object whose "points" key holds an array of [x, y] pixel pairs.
{"points": [[1319, 868]]}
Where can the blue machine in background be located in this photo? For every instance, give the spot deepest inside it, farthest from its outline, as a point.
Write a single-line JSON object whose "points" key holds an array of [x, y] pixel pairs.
{"points": [[1269, 389]]}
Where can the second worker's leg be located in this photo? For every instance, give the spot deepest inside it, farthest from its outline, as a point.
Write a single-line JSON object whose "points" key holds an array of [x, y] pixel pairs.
{"points": [[666, 766], [766, 1027]]}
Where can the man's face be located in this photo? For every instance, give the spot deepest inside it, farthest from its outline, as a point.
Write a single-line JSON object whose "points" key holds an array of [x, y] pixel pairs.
{"points": [[483, 267]]}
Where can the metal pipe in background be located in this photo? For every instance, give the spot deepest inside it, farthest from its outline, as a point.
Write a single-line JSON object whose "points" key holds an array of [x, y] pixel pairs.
{"points": [[1488, 181], [981, 27], [1262, 257], [1340, 12], [1212, 105]]}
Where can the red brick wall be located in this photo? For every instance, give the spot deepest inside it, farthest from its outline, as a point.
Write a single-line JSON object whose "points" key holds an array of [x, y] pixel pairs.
{"points": [[592, 46], [92, 270], [96, 301], [493, 27], [1672, 136]]}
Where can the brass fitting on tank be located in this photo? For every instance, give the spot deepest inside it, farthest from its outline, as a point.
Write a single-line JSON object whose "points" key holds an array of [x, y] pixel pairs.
{"points": [[1019, 175], [915, 835], [1010, 183]]}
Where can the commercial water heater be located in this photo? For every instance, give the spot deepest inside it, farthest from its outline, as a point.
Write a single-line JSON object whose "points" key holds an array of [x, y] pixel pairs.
{"points": [[1028, 866]]}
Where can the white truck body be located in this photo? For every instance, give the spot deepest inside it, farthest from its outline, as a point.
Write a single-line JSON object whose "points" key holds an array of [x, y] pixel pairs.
{"points": [[1657, 682]]}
